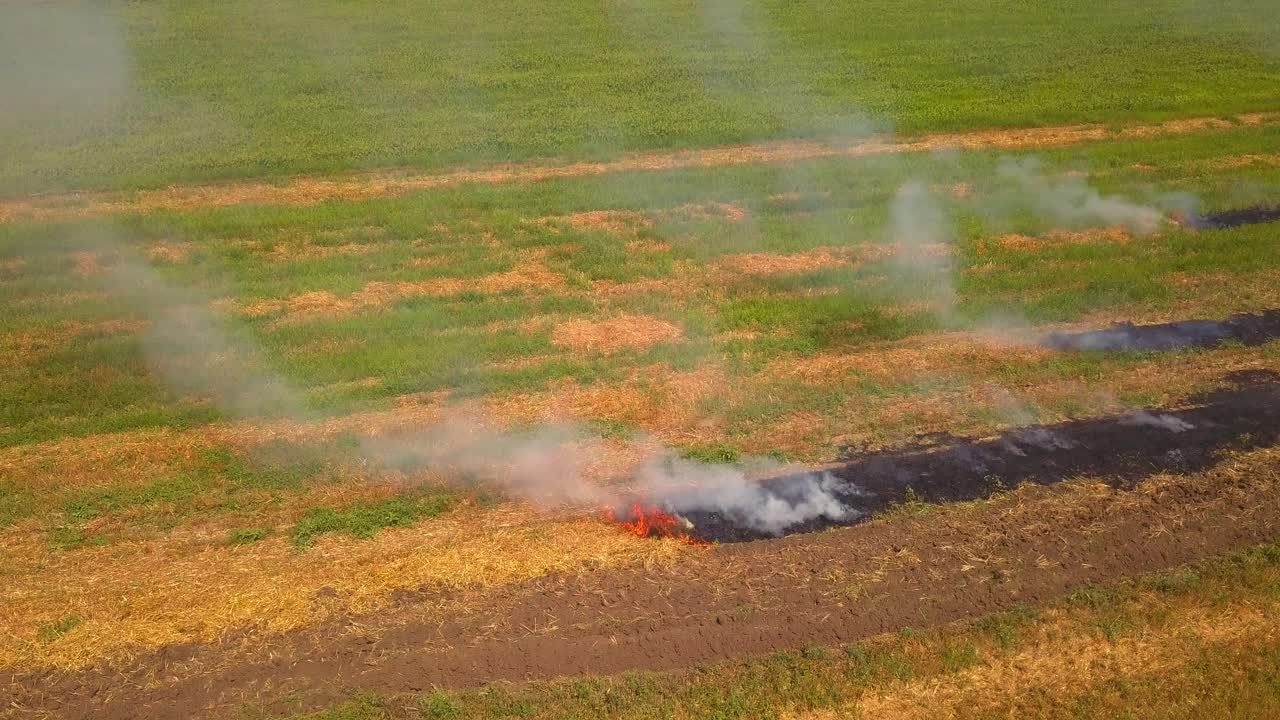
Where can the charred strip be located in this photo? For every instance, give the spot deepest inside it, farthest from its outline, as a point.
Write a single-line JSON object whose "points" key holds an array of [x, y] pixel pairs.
{"points": [[1121, 449], [1250, 329], [1234, 218]]}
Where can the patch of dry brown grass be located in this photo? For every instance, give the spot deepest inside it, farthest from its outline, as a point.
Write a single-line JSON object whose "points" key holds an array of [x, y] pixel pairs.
{"points": [[1115, 235], [140, 455], [967, 404], [133, 596], [709, 210], [307, 190], [529, 273], [29, 345], [611, 335], [620, 222], [169, 251], [653, 398], [776, 264], [86, 263], [903, 360], [1064, 662], [1239, 161]]}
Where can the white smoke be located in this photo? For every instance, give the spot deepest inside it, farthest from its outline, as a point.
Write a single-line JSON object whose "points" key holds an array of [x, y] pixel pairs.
{"points": [[197, 351], [1158, 420], [728, 491], [64, 63], [1070, 201], [920, 231], [543, 466]]}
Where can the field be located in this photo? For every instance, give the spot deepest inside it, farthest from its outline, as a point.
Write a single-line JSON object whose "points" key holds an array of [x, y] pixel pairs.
{"points": [[408, 361]]}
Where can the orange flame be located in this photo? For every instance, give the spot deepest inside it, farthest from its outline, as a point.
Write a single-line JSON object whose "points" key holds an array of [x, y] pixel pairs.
{"points": [[649, 521]]}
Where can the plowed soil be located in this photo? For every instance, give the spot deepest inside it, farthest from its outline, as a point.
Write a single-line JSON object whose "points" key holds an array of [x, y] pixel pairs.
{"points": [[912, 568]]}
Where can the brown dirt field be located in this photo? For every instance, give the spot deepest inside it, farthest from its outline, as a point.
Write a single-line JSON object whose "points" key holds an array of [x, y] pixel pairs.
{"points": [[306, 190], [625, 332], [957, 562]]}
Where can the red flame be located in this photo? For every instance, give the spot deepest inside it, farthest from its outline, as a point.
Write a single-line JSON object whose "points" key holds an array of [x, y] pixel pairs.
{"points": [[649, 521]]}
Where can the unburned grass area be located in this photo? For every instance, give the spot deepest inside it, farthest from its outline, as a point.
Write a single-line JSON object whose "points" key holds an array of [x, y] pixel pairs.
{"points": [[472, 291], [1178, 644], [228, 89]]}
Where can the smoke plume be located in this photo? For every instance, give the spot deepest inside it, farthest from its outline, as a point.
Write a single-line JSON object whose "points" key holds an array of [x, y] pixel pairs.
{"points": [[690, 487]]}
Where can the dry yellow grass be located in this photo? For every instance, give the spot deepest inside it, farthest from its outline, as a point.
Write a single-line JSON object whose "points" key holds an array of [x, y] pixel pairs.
{"points": [[1115, 235], [620, 222], [29, 345], [169, 251], [974, 406], [148, 594], [942, 353], [611, 335], [775, 264], [653, 398], [143, 454], [1064, 661], [1239, 161], [529, 273], [308, 190], [86, 264]]}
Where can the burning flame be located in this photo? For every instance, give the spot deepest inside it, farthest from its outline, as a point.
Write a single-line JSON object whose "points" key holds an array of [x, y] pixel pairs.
{"points": [[650, 521]]}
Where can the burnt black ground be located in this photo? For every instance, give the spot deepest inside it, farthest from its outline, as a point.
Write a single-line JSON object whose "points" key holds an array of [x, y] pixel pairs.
{"points": [[1120, 450], [1250, 329], [1235, 218]]}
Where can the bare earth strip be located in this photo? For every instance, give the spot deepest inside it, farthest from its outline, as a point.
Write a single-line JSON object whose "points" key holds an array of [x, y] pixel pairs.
{"points": [[307, 190]]}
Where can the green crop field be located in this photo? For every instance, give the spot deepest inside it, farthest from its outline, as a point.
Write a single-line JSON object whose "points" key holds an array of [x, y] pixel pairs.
{"points": [[243, 89], [332, 329]]}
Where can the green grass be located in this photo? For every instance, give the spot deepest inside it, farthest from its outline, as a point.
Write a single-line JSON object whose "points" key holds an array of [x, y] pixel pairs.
{"points": [[71, 538], [51, 631], [362, 520], [236, 88], [712, 454], [247, 536], [99, 381], [1245, 678]]}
